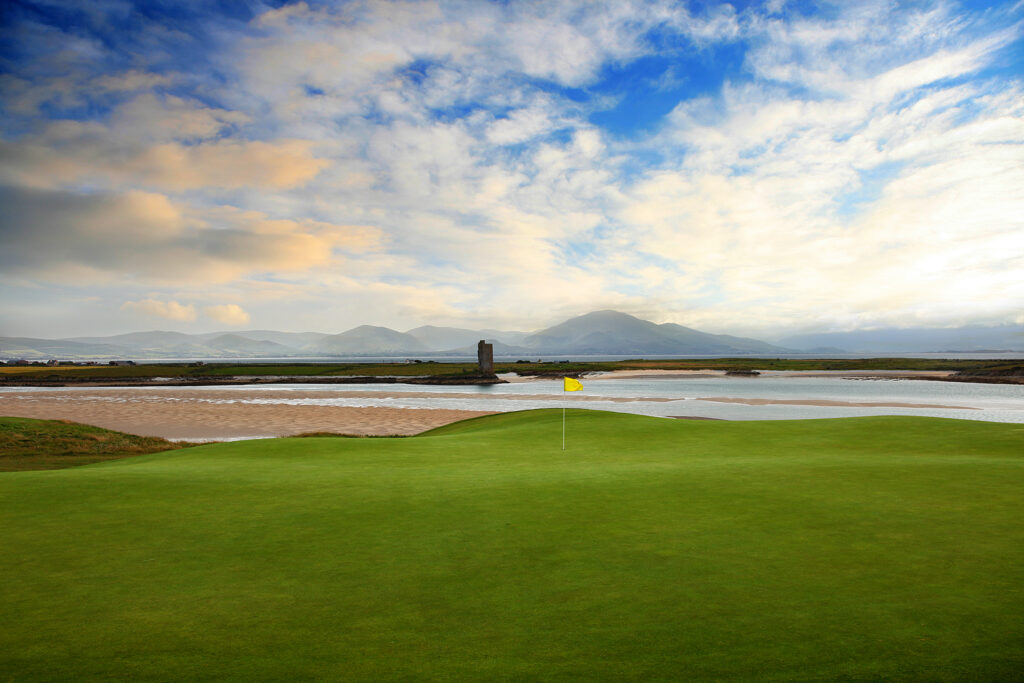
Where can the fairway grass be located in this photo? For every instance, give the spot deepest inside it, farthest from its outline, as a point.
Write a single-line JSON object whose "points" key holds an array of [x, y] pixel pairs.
{"points": [[650, 549]]}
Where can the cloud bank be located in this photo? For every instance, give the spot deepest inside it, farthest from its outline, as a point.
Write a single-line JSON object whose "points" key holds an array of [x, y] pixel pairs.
{"points": [[756, 170]]}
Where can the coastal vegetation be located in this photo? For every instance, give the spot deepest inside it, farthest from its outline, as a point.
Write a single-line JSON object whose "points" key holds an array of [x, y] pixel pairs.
{"points": [[866, 548], [428, 368], [27, 444]]}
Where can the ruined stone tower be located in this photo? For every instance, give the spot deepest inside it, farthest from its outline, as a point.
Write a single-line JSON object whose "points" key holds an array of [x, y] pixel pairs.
{"points": [[485, 357]]}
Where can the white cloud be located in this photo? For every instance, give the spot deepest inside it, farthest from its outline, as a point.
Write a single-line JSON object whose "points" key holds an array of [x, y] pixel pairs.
{"points": [[383, 161], [83, 157], [170, 310], [133, 80], [229, 314], [148, 237]]}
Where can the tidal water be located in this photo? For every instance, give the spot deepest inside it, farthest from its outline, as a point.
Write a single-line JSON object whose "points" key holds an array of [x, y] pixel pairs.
{"points": [[689, 396], [963, 355]]}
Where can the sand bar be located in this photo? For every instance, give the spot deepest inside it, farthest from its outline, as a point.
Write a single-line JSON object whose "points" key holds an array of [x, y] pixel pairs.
{"points": [[823, 402], [654, 374], [841, 374], [186, 415]]}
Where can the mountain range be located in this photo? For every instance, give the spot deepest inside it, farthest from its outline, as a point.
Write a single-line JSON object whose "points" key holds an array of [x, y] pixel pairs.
{"points": [[597, 333], [977, 338]]}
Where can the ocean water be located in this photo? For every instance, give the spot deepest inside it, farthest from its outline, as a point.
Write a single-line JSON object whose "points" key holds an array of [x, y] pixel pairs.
{"points": [[649, 395]]}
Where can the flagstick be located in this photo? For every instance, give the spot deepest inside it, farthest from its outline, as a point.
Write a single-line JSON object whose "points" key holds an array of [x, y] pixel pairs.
{"points": [[564, 393]]}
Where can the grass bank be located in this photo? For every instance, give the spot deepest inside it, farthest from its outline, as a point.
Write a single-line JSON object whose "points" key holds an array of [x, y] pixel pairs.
{"points": [[213, 371], [27, 444], [867, 548]]}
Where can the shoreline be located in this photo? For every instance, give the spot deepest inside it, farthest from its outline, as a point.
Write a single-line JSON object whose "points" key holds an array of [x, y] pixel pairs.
{"points": [[15, 382], [183, 419], [921, 375], [254, 411], [236, 380]]}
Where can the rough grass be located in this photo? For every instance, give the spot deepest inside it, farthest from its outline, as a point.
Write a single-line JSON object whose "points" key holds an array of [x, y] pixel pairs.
{"points": [[27, 444], [430, 368], [885, 548]]}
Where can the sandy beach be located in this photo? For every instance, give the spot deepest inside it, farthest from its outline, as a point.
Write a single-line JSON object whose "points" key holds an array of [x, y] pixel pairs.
{"points": [[238, 413], [825, 402], [251, 412], [848, 374], [186, 415]]}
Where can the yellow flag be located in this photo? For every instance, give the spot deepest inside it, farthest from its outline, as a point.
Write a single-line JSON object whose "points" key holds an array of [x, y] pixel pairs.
{"points": [[572, 384]]}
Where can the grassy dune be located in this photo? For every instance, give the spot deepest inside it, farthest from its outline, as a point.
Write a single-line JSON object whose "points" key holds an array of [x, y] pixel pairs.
{"points": [[883, 547], [432, 368], [27, 444]]}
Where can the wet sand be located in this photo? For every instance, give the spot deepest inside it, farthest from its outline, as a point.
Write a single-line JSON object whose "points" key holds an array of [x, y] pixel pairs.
{"points": [[843, 374], [213, 414], [653, 374], [236, 413], [823, 402], [194, 416]]}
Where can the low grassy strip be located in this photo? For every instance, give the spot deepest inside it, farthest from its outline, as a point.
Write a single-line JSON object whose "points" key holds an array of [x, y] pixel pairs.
{"points": [[886, 548], [432, 368], [27, 444]]}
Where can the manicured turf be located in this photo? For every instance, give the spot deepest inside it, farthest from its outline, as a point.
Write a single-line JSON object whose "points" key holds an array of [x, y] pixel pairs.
{"points": [[884, 547]]}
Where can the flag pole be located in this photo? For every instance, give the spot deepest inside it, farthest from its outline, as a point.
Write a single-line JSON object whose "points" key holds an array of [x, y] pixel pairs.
{"points": [[568, 384]]}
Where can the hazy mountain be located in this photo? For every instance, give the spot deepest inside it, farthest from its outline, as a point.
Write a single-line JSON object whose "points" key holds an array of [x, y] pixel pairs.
{"points": [[916, 339], [367, 340], [443, 338], [499, 349], [292, 340], [611, 332], [504, 336], [44, 349], [458, 338], [237, 345], [155, 339], [600, 332], [162, 344]]}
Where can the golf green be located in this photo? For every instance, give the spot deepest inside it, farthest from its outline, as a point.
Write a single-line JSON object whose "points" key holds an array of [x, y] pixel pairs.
{"points": [[867, 548]]}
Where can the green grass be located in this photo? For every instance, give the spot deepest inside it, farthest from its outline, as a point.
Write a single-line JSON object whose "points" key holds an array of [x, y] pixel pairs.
{"points": [[651, 549], [431, 368], [27, 444]]}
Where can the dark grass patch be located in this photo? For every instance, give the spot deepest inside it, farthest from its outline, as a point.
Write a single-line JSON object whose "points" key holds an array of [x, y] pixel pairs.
{"points": [[27, 444], [19, 375]]}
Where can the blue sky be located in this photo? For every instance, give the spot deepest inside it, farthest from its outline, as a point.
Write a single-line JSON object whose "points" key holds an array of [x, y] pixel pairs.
{"points": [[755, 168]]}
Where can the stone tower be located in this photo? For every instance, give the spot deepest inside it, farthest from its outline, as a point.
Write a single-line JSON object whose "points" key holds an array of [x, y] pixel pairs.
{"points": [[485, 357]]}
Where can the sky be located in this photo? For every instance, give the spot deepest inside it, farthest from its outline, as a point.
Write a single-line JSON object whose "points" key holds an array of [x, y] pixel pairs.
{"points": [[756, 168]]}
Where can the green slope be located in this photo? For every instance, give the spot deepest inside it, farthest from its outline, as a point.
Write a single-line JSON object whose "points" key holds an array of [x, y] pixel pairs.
{"points": [[650, 549], [27, 444]]}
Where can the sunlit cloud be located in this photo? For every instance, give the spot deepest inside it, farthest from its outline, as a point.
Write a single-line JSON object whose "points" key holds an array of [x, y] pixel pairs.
{"points": [[750, 170], [229, 314], [169, 310], [147, 237]]}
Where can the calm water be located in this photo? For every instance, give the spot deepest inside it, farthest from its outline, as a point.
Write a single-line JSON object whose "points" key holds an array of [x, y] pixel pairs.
{"points": [[993, 356], [989, 402]]}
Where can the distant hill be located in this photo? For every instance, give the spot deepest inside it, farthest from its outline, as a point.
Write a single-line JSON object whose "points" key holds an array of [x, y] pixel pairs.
{"points": [[599, 333], [142, 340], [612, 332], [291, 340], [456, 340], [235, 344], [442, 338], [29, 348], [368, 340], [916, 340]]}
